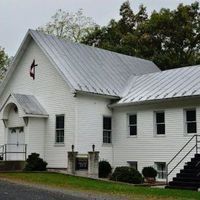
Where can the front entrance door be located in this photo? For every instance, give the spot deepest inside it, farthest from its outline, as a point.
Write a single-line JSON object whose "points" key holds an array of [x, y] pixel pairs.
{"points": [[15, 144]]}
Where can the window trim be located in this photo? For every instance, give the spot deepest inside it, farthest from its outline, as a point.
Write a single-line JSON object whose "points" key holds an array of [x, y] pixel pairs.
{"points": [[186, 122], [109, 130], [128, 125], [155, 123], [59, 143], [165, 172], [133, 162]]}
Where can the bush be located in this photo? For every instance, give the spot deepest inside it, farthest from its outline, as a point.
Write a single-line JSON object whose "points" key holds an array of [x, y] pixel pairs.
{"points": [[104, 169], [35, 163], [149, 172], [127, 174]]}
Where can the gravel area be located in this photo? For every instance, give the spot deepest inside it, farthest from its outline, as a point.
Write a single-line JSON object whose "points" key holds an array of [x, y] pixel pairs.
{"points": [[13, 190]]}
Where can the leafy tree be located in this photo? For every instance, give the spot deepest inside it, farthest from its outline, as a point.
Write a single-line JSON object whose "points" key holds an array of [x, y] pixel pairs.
{"points": [[170, 38], [70, 26], [174, 37], [113, 37], [127, 21], [4, 61]]}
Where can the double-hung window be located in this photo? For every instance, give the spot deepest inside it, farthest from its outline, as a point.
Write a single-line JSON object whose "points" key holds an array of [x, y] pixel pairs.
{"points": [[60, 123], [107, 130], [191, 123], [160, 122], [132, 125]]}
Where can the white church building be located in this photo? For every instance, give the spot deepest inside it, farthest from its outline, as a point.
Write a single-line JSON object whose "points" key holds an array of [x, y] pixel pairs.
{"points": [[79, 95]]}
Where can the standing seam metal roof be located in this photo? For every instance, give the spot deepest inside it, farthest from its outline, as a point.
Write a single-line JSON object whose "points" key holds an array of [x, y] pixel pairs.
{"points": [[92, 69], [180, 82], [30, 104]]}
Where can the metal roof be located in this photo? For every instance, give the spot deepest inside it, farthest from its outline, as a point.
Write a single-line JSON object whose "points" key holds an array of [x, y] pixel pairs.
{"points": [[91, 69], [180, 82], [29, 104]]}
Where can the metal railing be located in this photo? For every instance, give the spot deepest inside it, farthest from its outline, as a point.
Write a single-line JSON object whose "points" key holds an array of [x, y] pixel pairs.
{"points": [[5, 150], [1, 152], [195, 146]]}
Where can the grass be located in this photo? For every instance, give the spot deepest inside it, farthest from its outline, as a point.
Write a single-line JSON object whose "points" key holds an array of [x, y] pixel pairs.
{"points": [[84, 184]]}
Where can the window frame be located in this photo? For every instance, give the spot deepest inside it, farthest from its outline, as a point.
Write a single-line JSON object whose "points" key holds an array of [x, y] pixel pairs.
{"points": [[132, 125], [107, 130], [159, 123], [187, 122], [133, 162], [59, 129], [164, 173]]}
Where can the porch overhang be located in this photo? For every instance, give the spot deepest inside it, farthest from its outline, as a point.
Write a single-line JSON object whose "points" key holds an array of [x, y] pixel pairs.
{"points": [[28, 106]]}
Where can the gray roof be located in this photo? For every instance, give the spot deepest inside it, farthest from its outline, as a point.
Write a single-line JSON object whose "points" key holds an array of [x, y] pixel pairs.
{"points": [[30, 104], [91, 69], [181, 82]]}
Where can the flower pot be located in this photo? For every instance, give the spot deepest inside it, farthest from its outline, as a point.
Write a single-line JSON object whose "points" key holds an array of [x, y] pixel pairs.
{"points": [[150, 180]]}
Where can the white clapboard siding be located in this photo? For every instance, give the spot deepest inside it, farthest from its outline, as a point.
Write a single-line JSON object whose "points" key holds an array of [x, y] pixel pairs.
{"points": [[14, 120], [36, 136], [147, 148], [89, 131], [52, 93]]}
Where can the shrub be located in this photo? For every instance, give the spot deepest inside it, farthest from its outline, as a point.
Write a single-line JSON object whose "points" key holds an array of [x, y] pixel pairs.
{"points": [[127, 174], [149, 172], [35, 163], [104, 169]]}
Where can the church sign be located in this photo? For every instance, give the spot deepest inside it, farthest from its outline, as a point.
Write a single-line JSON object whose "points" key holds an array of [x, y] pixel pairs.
{"points": [[81, 163]]}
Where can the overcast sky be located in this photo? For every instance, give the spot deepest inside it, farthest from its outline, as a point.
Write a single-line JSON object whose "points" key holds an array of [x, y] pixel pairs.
{"points": [[17, 16]]}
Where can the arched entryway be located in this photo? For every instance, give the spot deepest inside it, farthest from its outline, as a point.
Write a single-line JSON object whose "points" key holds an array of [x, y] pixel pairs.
{"points": [[24, 127], [15, 134]]}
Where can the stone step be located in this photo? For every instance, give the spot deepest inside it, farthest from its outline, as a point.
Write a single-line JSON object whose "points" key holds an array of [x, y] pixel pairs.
{"points": [[185, 184], [12, 165], [190, 171], [187, 179], [181, 187]]}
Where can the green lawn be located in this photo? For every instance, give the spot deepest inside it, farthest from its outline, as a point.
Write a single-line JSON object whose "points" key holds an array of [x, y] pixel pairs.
{"points": [[89, 185]]}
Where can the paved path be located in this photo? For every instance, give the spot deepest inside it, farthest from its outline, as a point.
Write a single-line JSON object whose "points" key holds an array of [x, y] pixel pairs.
{"points": [[13, 191]]}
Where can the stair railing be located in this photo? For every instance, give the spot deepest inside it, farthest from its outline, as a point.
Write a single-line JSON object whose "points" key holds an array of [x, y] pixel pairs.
{"points": [[1, 152], [193, 147], [4, 150]]}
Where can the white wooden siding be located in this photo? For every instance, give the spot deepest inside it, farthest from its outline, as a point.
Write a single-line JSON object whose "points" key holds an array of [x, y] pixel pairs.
{"points": [[89, 125], [53, 94], [84, 120], [147, 148], [36, 136], [13, 119]]}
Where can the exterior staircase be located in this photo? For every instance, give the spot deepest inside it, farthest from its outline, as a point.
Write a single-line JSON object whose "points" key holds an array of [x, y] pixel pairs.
{"points": [[12, 165], [4, 151], [189, 177]]}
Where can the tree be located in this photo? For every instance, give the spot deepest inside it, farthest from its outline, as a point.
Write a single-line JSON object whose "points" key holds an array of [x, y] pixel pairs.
{"points": [[113, 37], [127, 21], [174, 36], [4, 62], [70, 26], [170, 38]]}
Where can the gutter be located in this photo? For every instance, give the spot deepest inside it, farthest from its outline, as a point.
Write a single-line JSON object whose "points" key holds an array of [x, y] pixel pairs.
{"points": [[96, 94], [145, 102]]}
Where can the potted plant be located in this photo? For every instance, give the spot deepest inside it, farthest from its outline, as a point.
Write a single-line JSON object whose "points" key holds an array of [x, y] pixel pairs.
{"points": [[149, 174]]}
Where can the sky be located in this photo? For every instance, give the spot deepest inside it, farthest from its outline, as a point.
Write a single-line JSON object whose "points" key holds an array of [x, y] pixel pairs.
{"points": [[17, 16]]}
